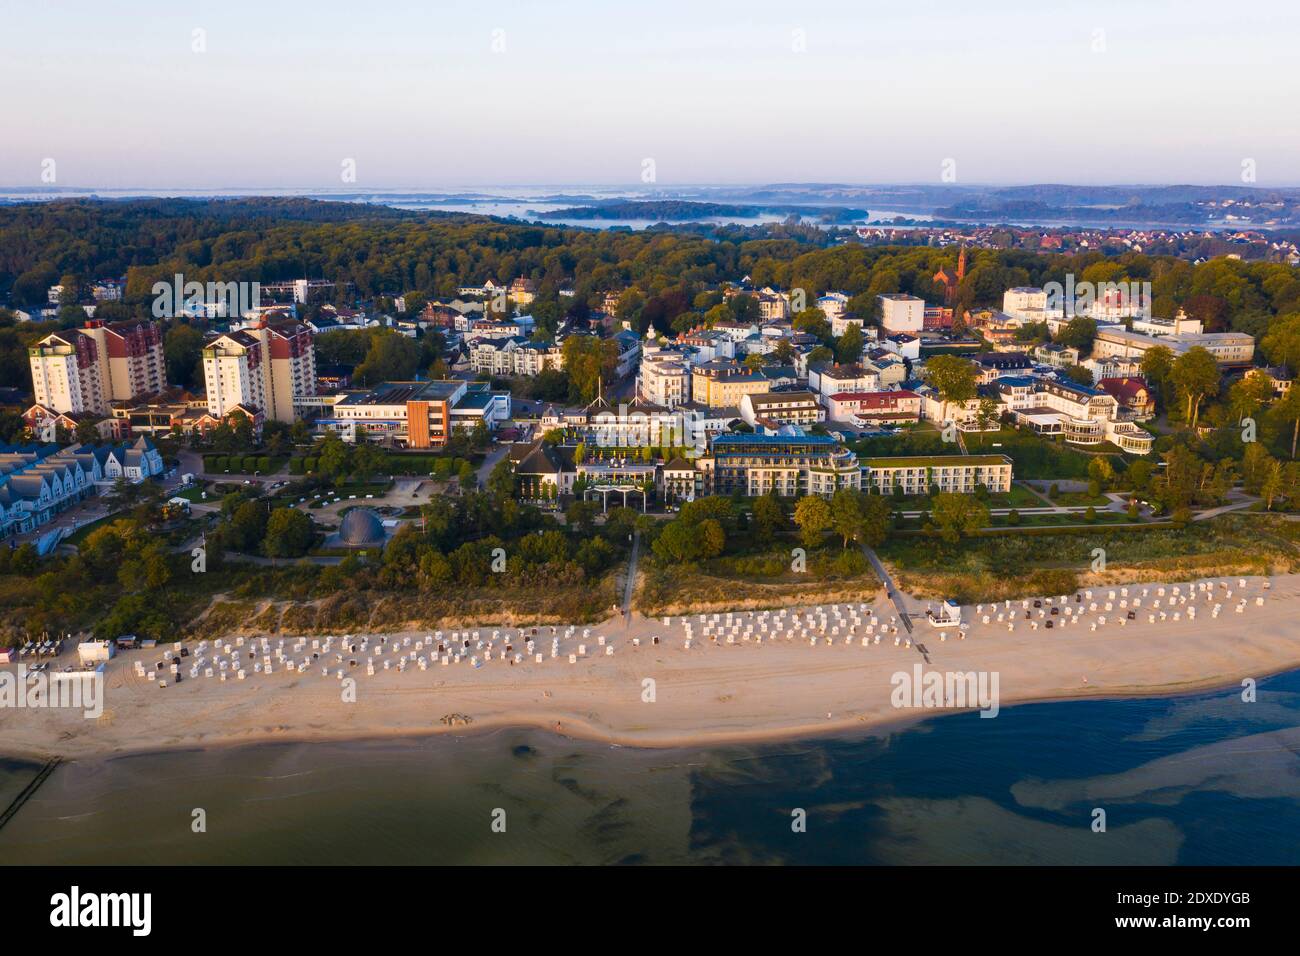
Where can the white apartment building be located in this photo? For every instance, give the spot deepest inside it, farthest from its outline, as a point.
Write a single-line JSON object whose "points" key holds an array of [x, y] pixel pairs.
{"points": [[1178, 325], [65, 374], [1028, 305], [1228, 348], [514, 356], [781, 408], [85, 369], [840, 323], [827, 380], [268, 367], [959, 474], [664, 375], [901, 313], [833, 305]]}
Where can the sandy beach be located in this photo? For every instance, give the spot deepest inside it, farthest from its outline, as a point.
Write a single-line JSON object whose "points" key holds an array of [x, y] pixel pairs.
{"points": [[784, 687]]}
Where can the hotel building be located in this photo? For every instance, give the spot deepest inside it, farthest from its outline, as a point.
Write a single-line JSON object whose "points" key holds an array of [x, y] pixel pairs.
{"points": [[960, 474], [790, 465]]}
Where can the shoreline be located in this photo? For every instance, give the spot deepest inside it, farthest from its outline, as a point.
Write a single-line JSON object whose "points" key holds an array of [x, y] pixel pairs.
{"points": [[579, 731], [711, 695]]}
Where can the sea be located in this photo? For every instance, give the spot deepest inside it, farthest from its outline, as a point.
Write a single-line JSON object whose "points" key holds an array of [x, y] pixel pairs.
{"points": [[1211, 779]]}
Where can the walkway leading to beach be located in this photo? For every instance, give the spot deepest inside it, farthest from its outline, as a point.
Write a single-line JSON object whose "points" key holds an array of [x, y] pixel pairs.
{"points": [[890, 590], [630, 584]]}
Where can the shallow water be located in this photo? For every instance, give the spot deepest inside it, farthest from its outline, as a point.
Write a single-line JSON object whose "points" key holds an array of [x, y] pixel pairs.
{"points": [[1196, 780]]}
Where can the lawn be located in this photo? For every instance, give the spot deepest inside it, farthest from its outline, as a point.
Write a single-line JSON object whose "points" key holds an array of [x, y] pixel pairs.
{"points": [[1035, 456], [82, 533]]}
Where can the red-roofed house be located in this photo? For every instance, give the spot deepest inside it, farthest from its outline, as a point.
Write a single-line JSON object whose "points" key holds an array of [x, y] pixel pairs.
{"points": [[1131, 393], [896, 406]]}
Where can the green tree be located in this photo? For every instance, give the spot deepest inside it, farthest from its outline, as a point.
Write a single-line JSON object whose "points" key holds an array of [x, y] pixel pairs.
{"points": [[289, 534], [813, 517], [1196, 376], [849, 347], [769, 517], [954, 378], [1157, 368], [956, 515]]}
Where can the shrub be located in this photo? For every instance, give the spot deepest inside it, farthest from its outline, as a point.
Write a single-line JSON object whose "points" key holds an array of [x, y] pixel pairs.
{"points": [[309, 464], [296, 466], [1090, 515], [1013, 517], [221, 463], [264, 464]]}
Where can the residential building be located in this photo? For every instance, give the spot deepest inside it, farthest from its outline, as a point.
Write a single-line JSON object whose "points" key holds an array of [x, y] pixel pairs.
{"points": [[828, 379], [901, 313], [514, 356], [523, 291], [721, 384], [840, 323], [663, 377], [1131, 393], [959, 474], [1178, 325], [84, 369], [993, 365], [38, 481], [1058, 356], [892, 407], [267, 367], [1026, 305], [1081, 415], [1227, 348], [774, 409], [834, 305]]}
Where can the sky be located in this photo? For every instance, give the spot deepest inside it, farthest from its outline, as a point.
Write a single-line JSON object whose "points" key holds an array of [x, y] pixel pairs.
{"points": [[456, 93]]}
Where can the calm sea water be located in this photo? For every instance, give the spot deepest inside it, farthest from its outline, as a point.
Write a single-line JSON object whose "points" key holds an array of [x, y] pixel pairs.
{"points": [[1196, 780]]}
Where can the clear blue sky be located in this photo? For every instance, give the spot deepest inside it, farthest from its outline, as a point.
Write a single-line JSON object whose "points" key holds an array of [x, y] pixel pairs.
{"points": [[711, 90]]}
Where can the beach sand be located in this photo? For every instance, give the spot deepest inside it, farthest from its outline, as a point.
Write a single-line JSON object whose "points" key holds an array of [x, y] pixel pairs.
{"points": [[712, 693]]}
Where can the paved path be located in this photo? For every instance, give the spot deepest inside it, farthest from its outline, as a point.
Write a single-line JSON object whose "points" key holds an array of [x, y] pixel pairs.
{"points": [[630, 584], [485, 469], [890, 590], [1224, 509]]}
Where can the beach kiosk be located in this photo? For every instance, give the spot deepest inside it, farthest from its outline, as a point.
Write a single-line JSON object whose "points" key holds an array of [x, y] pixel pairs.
{"points": [[948, 614], [93, 652]]}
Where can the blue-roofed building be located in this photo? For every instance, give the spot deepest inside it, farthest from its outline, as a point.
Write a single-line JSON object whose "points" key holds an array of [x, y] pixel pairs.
{"points": [[790, 463]]}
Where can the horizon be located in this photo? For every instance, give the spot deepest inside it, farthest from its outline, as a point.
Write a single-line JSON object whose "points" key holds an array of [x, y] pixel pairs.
{"points": [[450, 188], [502, 93]]}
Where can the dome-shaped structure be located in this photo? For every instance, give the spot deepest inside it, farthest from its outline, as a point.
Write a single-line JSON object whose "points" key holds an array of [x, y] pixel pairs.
{"points": [[361, 528]]}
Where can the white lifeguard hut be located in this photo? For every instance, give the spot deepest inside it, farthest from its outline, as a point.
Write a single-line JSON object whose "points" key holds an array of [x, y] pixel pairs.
{"points": [[947, 615]]}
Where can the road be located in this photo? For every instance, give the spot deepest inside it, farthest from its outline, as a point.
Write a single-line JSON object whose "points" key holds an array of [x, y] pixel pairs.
{"points": [[630, 584], [889, 587], [494, 456]]}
